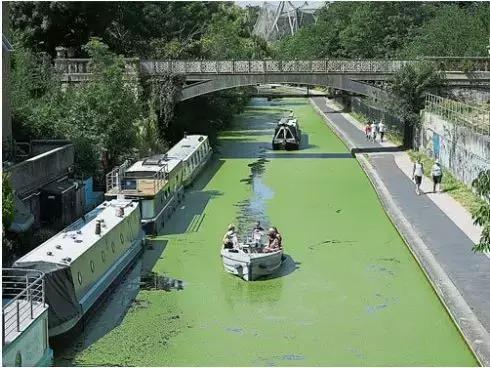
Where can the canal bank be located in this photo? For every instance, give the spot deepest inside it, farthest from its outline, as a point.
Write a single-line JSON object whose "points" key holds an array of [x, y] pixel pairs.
{"points": [[350, 293]]}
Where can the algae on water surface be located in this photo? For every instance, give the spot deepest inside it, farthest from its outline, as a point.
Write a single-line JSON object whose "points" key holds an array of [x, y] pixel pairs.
{"points": [[350, 293]]}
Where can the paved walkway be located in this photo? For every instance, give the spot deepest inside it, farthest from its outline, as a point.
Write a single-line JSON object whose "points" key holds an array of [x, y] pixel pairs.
{"points": [[442, 223]]}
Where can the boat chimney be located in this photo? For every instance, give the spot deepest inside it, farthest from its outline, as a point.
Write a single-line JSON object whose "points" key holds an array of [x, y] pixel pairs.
{"points": [[97, 228], [185, 134]]}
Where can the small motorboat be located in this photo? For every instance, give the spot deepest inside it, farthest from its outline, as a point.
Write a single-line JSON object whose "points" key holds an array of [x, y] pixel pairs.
{"points": [[248, 261], [287, 134]]}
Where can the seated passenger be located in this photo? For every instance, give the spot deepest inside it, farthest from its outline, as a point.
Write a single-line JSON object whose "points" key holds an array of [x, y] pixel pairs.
{"points": [[257, 233], [275, 240], [229, 239]]}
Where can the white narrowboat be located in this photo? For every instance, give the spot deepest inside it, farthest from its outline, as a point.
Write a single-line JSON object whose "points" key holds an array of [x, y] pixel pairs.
{"points": [[25, 340], [195, 151], [84, 259], [155, 182]]}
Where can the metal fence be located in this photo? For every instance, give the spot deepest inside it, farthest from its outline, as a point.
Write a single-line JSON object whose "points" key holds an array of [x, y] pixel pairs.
{"points": [[270, 66], [23, 294], [81, 67], [478, 119]]}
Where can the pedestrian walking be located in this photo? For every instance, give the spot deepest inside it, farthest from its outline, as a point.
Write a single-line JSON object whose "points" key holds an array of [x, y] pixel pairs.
{"points": [[367, 131], [436, 173], [418, 172], [373, 132], [382, 130]]}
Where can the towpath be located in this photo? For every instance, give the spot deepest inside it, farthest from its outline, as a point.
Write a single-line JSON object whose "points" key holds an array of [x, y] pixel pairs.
{"points": [[442, 223]]}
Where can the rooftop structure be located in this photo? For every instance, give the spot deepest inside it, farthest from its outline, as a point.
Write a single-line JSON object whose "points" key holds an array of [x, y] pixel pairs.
{"points": [[76, 239], [186, 146]]}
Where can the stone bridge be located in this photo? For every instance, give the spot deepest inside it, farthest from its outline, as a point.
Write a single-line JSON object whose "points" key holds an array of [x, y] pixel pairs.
{"points": [[361, 77]]}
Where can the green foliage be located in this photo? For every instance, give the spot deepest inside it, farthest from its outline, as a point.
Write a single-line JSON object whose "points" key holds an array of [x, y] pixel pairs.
{"points": [[7, 201], [165, 94], [229, 37], [481, 215], [99, 116], [357, 30], [453, 31], [392, 29], [408, 87]]}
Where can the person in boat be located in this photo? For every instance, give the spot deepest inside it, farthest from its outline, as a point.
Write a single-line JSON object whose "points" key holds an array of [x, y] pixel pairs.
{"points": [[230, 238], [275, 240], [257, 233], [291, 114]]}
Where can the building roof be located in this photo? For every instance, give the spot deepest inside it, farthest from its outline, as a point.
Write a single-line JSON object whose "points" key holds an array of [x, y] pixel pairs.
{"points": [[187, 146], [77, 238]]}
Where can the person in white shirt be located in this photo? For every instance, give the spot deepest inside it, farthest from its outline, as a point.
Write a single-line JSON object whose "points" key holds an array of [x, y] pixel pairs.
{"points": [[374, 131], [382, 130], [436, 173], [418, 172]]}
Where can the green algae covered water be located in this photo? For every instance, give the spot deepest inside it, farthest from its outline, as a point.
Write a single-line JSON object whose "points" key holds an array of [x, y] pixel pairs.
{"points": [[349, 291]]}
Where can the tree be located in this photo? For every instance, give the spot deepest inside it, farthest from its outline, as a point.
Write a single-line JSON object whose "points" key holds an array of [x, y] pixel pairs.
{"points": [[229, 36], [105, 110], [409, 87], [453, 31], [358, 30], [7, 201], [481, 216], [99, 117]]}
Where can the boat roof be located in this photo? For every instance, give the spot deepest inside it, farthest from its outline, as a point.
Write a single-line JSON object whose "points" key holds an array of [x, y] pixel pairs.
{"points": [[157, 162], [186, 146], [80, 236]]}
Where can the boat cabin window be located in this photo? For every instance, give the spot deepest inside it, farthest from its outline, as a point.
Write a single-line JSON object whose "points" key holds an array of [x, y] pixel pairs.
{"points": [[113, 247], [92, 266], [102, 256], [79, 277], [121, 236]]}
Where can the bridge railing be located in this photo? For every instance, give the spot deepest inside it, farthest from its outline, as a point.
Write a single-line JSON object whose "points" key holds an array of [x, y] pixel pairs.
{"points": [[81, 67], [476, 118], [269, 66], [459, 63]]}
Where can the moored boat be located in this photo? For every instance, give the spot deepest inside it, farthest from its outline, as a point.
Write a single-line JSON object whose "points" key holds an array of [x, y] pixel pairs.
{"points": [[25, 319], [195, 152], [84, 259], [157, 182]]}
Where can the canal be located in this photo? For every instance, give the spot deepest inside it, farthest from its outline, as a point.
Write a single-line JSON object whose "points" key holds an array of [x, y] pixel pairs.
{"points": [[349, 292]]}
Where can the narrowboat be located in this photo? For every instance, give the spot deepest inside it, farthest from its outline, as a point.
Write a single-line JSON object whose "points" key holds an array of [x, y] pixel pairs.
{"points": [[84, 259], [287, 134], [155, 182], [195, 152]]}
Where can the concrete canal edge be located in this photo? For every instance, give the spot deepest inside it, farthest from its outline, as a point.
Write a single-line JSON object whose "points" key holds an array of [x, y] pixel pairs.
{"points": [[473, 332]]}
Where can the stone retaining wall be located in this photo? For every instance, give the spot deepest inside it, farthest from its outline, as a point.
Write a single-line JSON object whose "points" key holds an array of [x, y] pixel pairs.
{"points": [[461, 150]]}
